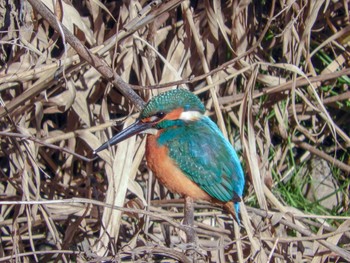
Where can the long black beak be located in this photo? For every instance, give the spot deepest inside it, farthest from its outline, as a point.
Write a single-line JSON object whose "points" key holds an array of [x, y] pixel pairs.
{"points": [[133, 129]]}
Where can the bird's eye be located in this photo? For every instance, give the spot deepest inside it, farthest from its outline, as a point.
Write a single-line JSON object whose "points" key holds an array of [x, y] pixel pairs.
{"points": [[160, 114], [157, 117]]}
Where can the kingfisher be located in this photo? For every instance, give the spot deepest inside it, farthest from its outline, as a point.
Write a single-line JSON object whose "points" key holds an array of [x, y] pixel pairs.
{"points": [[186, 150]]}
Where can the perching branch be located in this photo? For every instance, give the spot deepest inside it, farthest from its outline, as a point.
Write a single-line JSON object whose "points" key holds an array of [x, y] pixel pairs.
{"points": [[99, 64]]}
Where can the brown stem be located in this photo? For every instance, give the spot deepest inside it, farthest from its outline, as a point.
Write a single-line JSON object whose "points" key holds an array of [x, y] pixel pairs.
{"points": [[99, 64], [189, 220]]}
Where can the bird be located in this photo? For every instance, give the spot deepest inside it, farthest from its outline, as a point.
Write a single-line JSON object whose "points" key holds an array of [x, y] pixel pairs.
{"points": [[186, 150]]}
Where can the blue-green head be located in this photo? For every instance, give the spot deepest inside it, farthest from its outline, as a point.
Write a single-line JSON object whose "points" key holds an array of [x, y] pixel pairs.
{"points": [[172, 108], [169, 109]]}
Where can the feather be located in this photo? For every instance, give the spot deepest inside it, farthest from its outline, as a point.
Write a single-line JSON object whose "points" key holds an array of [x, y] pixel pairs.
{"points": [[206, 157]]}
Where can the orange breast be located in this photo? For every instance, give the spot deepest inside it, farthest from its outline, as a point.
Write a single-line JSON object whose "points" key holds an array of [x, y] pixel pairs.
{"points": [[168, 173]]}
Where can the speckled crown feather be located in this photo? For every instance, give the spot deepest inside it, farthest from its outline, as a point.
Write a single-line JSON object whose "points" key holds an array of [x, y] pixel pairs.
{"points": [[171, 100]]}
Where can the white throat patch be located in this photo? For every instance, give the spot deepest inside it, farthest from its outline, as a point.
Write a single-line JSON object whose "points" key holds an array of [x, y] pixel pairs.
{"points": [[150, 131], [190, 116]]}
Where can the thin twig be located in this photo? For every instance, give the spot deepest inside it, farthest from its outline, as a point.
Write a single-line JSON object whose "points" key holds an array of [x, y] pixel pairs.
{"points": [[99, 64]]}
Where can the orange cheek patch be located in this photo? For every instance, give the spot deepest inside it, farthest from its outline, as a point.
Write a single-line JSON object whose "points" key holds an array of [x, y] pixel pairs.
{"points": [[173, 115], [145, 120]]}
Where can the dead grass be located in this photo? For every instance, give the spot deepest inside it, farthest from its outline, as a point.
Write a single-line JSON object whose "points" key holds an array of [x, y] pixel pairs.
{"points": [[272, 75]]}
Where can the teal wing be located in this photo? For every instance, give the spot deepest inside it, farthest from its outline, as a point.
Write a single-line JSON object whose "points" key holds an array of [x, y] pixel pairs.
{"points": [[207, 158]]}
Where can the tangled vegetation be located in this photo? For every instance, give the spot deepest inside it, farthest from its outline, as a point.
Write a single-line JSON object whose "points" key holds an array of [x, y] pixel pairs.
{"points": [[272, 74]]}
